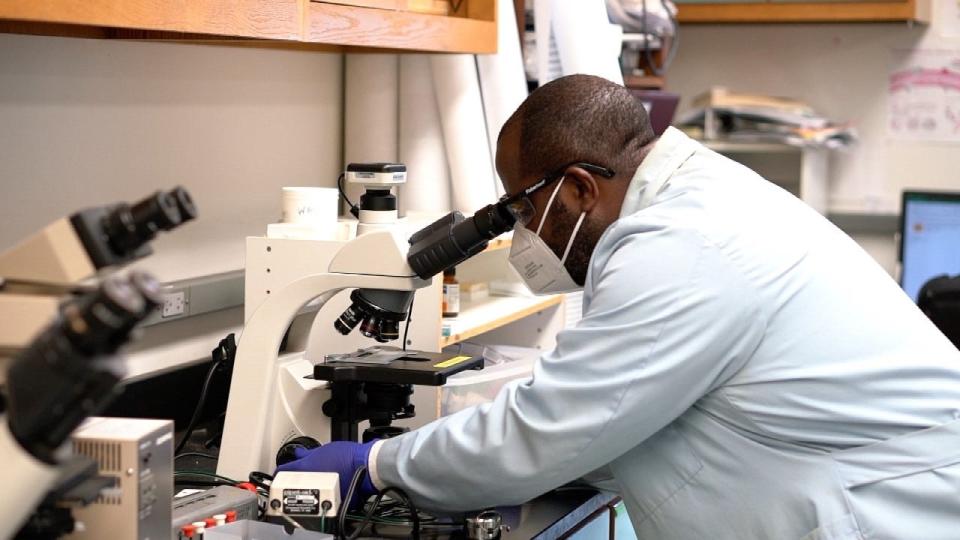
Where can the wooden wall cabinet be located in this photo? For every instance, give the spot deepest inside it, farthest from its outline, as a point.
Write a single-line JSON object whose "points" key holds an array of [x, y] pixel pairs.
{"points": [[793, 11], [414, 25]]}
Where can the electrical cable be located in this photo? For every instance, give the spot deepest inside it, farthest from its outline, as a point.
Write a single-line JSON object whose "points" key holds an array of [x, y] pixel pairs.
{"points": [[406, 330], [195, 454], [199, 409], [345, 503], [369, 515], [353, 208], [206, 474], [456, 7], [261, 479]]}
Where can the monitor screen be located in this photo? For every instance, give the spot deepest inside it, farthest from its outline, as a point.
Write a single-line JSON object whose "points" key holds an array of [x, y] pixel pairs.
{"points": [[930, 238]]}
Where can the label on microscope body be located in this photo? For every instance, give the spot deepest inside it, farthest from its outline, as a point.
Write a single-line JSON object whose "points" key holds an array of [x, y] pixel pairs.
{"points": [[301, 502]]}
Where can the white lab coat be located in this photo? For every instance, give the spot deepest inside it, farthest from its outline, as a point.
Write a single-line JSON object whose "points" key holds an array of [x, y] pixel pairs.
{"points": [[743, 368]]}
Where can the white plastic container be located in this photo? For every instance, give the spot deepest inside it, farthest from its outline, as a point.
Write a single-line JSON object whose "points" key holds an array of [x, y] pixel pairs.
{"points": [[314, 206], [256, 530], [503, 365]]}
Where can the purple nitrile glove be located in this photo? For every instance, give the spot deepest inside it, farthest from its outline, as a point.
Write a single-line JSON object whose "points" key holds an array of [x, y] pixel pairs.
{"points": [[341, 457]]}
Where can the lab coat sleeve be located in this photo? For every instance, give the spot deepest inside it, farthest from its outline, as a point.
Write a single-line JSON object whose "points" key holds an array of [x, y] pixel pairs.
{"points": [[669, 319]]}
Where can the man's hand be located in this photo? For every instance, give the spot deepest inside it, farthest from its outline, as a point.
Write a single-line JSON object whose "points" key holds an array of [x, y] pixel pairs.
{"points": [[341, 457]]}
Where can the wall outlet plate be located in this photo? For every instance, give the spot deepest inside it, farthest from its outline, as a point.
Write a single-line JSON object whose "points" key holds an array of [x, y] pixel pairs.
{"points": [[174, 304]]}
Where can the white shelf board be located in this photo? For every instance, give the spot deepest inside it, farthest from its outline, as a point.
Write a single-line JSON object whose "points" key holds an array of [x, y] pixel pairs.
{"points": [[490, 313], [751, 148]]}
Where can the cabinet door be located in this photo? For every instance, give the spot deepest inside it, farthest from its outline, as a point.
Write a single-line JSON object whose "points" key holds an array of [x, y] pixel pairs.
{"points": [[717, 1]]}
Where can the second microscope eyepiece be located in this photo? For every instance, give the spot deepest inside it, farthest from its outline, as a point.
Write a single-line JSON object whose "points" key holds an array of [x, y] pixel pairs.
{"points": [[128, 227]]}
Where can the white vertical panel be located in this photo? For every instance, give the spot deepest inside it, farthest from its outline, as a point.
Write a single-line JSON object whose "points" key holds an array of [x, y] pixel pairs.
{"points": [[502, 79], [464, 131], [420, 142], [371, 87]]}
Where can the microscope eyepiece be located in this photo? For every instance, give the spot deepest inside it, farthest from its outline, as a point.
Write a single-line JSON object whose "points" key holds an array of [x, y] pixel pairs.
{"points": [[453, 239], [96, 323], [148, 287], [65, 374], [188, 211], [128, 227]]}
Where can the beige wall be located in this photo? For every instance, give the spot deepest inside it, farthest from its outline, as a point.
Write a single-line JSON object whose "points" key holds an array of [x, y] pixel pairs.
{"points": [[88, 122], [842, 70]]}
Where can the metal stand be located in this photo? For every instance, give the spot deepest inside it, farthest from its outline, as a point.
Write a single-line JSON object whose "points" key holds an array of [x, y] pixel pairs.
{"points": [[353, 402]]}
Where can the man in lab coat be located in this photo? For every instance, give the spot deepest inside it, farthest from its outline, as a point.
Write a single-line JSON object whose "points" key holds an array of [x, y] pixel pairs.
{"points": [[742, 370]]}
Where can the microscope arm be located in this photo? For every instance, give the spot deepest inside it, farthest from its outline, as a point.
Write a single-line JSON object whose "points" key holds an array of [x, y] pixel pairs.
{"points": [[252, 433]]}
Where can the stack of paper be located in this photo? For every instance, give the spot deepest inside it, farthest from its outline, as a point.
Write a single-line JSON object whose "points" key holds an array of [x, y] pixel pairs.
{"points": [[722, 115]]}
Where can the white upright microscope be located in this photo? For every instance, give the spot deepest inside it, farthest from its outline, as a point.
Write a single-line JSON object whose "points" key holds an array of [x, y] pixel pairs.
{"points": [[275, 400], [61, 331]]}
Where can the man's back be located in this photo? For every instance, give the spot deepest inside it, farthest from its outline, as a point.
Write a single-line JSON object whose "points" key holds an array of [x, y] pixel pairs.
{"points": [[841, 360]]}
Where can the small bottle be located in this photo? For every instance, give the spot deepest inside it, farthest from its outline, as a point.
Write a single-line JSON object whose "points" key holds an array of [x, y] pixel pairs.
{"points": [[451, 293]]}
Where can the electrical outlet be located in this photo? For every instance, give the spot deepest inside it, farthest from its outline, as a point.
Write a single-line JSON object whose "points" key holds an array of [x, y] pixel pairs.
{"points": [[174, 304]]}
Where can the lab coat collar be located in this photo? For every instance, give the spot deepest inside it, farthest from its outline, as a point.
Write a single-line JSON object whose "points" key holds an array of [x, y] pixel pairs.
{"points": [[669, 152]]}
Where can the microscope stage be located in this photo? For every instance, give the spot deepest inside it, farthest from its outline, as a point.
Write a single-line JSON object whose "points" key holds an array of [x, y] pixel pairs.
{"points": [[390, 365]]}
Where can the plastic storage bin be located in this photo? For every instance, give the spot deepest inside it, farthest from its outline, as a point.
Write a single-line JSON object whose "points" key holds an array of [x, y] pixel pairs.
{"points": [[256, 530], [503, 365]]}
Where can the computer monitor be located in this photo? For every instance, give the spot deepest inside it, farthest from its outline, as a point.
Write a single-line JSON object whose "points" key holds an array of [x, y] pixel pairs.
{"points": [[929, 238]]}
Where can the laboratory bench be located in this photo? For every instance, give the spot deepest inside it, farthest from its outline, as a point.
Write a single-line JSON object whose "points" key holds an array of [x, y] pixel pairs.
{"points": [[573, 512]]}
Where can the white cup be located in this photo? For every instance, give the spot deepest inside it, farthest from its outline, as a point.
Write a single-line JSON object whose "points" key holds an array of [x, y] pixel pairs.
{"points": [[315, 206]]}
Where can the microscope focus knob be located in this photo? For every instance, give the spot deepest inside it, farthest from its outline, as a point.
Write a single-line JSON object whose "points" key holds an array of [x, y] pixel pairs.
{"points": [[287, 452]]}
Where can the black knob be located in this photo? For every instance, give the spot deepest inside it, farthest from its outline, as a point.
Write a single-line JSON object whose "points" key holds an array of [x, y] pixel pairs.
{"points": [[287, 452]]}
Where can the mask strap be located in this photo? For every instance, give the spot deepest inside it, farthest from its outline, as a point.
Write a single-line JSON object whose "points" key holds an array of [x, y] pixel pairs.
{"points": [[549, 204], [573, 236]]}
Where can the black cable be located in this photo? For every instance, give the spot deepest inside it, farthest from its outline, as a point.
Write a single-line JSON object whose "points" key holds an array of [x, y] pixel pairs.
{"points": [[345, 503], [195, 454], [368, 515], [261, 479], [456, 7], [406, 330], [199, 409], [414, 513], [353, 208]]}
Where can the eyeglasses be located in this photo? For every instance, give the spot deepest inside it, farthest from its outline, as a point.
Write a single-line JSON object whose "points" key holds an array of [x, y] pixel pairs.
{"points": [[521, 207]]}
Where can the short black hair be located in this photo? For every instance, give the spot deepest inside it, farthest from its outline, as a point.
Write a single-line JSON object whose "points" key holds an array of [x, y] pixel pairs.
{"points": [[580, 118]]}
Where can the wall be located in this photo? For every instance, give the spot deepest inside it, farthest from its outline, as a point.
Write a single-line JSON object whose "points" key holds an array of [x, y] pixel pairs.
{"points": [[841, 70], [89, 122]]}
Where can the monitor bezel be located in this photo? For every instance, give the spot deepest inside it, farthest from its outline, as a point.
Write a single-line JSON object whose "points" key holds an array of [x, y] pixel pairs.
{"points": [[910, 195]]}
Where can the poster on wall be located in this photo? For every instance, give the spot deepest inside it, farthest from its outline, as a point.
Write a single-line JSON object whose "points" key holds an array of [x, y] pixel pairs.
{"points": [[923, 96]]}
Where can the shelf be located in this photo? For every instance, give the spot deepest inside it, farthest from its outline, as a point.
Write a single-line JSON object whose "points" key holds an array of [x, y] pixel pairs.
{"points": [[751, 148], [866, 223], [493, 312], [805, 12], [367, 27], [498, 243], [288, 23], [260, 19], [643, 81]]}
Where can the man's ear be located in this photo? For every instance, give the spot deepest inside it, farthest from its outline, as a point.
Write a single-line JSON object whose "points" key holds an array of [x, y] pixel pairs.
{"points": [[587, 191]]}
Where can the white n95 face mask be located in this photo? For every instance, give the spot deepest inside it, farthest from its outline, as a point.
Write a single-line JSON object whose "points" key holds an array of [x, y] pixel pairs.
{"points": [[537, 264]]}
